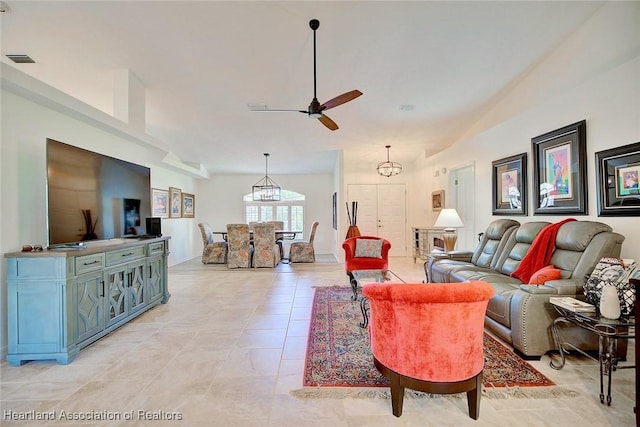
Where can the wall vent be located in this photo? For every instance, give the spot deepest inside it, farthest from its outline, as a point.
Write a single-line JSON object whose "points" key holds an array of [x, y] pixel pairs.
{"points": [[21, 59]]}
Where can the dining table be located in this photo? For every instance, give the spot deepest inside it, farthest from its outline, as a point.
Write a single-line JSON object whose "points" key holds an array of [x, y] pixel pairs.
{"points": [[286, 234]]}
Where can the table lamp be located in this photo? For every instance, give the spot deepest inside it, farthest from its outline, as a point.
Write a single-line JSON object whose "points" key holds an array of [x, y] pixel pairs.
{"points": [[449, 220]]}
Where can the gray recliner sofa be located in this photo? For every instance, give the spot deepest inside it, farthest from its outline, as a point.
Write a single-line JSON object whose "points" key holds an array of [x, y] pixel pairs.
{"points": [[520, 313]]}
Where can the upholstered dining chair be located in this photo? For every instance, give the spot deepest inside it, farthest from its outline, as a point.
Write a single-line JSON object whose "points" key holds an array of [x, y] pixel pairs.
{"points": [[266, 252], [240, 249], [445, 354], [304, 251], [213, 252], [279, 236]]}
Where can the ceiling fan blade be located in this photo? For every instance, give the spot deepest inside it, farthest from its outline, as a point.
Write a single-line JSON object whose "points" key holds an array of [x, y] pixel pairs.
{"points": [[341, 99], [330, 124], [276, 110]]}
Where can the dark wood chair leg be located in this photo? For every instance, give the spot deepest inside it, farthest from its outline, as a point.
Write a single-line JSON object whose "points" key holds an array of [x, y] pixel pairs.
{"points": [[397, 395], [473, 398]]}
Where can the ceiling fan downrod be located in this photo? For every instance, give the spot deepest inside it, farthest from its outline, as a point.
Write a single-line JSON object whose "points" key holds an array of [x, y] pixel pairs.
{"points": [[314, 107]]}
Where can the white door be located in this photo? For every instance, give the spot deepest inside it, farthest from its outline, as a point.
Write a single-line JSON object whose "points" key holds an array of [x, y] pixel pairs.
{"points": [[367, 198], [462, 188], [382, 212]]}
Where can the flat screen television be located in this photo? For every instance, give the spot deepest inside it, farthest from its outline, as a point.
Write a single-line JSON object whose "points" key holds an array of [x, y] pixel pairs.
{"points": [[91, 196]]}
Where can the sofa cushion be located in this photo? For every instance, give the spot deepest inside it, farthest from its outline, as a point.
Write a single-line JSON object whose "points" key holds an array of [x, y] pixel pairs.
{"points": [[545, 273], [518, 245], [499, 307], [492, 242], [368, 248]]}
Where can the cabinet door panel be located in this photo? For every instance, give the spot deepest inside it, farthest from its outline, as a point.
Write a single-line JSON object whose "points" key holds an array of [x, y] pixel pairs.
{"points": [[117, 279], [89, 295], [136, 292], [155, 278]]}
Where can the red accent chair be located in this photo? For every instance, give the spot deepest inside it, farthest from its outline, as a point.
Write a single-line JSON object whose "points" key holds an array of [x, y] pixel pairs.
{"points": [[351, 262], [429, 337]]}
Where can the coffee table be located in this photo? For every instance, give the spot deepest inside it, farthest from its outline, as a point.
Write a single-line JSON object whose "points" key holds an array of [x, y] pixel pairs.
{"points": [[609, 332], [361, 277]]}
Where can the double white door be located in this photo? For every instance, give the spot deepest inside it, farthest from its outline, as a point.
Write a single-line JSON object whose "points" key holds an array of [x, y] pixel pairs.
{"points": [[382, 211]]}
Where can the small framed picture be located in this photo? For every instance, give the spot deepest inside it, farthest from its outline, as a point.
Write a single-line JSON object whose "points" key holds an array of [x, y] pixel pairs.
{"points": [[160, 203], [509, 180], [618, 171], [188, 205], [175, 199], [560, 171], [437, 200]]}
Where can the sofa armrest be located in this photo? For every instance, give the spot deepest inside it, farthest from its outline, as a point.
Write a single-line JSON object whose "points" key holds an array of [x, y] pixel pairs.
{"points": [[565, 286], [461, 255], [538, 289], [552, 287]]}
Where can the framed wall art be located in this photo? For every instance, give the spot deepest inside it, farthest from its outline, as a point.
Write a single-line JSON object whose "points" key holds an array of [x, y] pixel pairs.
{"points": [[175, 200], [159, 203], [559, 171], [437, 200], [509, 185], [334, 208], [188, 205], [617, 172]]}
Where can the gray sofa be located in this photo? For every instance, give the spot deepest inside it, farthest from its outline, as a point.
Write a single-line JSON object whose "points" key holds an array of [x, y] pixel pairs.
{"points": [[521, 314]]}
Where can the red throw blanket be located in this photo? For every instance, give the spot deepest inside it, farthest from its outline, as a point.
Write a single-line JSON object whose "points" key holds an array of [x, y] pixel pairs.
{"points": [[540, 252]]}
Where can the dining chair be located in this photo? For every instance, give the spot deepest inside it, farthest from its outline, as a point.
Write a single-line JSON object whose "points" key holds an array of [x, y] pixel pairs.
{"points": [[279, 236], [240, 249], [445, 354], [266, 252], [304, 251], [213, 252]]}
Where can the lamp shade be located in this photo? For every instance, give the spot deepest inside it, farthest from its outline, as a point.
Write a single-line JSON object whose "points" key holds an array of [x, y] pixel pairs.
{"points": [[448, 218]]}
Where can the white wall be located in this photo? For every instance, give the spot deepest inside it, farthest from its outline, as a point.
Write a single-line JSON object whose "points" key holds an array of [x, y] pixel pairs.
{"points": [[594, 75], [25, 127], [219, 202]]}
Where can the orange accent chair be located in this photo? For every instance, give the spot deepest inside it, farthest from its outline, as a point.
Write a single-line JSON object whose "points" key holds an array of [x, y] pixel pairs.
{"points": [[429, 337], [353, 262]]}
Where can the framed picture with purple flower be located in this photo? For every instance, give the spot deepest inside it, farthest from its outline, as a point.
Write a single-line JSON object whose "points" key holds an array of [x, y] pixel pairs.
{"points": [[618, 172]]}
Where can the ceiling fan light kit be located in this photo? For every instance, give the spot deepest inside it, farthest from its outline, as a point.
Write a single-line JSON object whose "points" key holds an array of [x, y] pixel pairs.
{"points": [[315, 109], [266, 190], [389, 168]]}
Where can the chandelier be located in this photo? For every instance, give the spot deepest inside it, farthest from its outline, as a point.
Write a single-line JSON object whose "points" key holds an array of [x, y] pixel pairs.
{"points": [[389, 168], [266, 190]]}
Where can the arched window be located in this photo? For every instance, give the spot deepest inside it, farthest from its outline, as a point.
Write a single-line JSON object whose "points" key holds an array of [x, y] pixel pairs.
{"points": [[289, 209]]}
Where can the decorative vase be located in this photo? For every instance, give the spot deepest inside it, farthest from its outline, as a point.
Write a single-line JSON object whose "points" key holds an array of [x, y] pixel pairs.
{"points": [[353, 231], [609, 302]]}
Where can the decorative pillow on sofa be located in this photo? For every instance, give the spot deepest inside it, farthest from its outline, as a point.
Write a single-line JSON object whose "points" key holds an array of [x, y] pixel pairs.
{"points": [[368, 248], [544, 274]]}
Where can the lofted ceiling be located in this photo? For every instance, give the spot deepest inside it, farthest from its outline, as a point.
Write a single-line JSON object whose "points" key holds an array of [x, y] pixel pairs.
{"points": [[428, 70]]}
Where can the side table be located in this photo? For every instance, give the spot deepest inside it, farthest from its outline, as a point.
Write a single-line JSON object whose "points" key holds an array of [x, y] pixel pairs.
{"points": [[609, 332]]}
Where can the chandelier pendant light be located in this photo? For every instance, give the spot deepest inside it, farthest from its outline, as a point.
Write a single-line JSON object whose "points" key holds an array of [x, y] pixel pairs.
{"points": [[266, 190], [389, 168]]}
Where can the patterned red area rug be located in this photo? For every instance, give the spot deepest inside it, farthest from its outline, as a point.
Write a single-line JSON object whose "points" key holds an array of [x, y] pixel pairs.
{"points": [[339, 355]]}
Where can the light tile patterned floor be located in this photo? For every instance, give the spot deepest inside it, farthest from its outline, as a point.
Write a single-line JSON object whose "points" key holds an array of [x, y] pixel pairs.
{"points": [[230, 345]]}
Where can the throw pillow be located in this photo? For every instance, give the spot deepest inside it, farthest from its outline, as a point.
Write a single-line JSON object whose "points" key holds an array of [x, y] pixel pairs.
{"points": [[368, 248], [544, 274]]}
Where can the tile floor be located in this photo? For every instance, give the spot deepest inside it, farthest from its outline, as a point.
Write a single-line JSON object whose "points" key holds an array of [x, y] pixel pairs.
{"points": [[230, 345]]}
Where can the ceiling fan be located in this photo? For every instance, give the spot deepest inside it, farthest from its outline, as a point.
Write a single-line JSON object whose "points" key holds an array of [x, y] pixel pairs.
{"points": [[315, 109]]}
